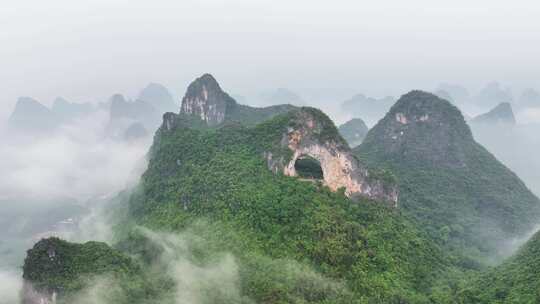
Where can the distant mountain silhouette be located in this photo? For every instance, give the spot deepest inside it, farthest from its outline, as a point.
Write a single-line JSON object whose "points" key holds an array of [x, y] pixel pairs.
{"points": [[353, 131], [158, 96], [501, 114], [69, 110], [124, 113], [31, 117], [530, 98], [493, 94], [368, 108], [282, 96]]}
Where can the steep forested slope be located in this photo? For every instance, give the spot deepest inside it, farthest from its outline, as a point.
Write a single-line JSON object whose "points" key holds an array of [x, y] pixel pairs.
{"points": [[515, 281], [221, 214], [213, 219], [450, 185], [219, 175]]}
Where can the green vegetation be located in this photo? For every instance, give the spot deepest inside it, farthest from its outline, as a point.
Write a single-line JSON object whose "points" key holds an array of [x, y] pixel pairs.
{"points": [[291, 241], [211, 223], [54, 265], [220, 176], [224, 108], [324, 129], [454, 189], [517, 280], [251, 116]]}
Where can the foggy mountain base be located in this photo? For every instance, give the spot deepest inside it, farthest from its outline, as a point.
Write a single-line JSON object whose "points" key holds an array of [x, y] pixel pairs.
{"points": [[198, 263], [510, 247], [177, 271], [58, 185], [116, 190], [208, 248]]}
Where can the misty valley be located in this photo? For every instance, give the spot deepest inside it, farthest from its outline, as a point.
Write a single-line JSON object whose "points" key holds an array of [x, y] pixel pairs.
{"points": [[430, 197]]}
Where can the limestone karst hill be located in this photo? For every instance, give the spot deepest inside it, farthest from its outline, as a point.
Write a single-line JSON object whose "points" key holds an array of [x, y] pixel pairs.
{"points": [[224, 179], [454, 188], [270, 205]]}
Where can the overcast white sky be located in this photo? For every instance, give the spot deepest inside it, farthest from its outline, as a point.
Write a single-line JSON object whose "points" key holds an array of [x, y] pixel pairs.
{"points": [[87, 50]]}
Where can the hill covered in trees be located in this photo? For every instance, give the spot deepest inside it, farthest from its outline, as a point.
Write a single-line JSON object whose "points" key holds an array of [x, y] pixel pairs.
{"points": [[456, 190], [270, 205]]}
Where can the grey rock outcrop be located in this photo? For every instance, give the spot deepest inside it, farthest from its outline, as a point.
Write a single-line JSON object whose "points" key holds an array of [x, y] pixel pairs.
{"points": [[313, 134], [205, 98]]}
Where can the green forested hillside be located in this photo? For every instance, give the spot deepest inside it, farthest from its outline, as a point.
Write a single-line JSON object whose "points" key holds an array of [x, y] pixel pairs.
{"points": [[450, 186], [219, 175], [291, 241], [57, 266], [212, 222], [517, 280]]}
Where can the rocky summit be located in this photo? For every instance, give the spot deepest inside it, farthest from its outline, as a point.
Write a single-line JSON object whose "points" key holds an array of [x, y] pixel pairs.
{"points": [[302, 132], [205, 98]]}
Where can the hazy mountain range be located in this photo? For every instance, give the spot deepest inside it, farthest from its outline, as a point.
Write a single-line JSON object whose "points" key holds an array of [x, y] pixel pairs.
{"points": [[236, 200]]}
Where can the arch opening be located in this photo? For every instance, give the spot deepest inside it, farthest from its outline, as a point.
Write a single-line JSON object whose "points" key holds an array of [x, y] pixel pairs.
{"points": [[308, 167]]}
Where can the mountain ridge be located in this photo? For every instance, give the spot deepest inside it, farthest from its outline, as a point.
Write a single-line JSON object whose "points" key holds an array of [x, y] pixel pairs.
{"points": [[453, 187]]}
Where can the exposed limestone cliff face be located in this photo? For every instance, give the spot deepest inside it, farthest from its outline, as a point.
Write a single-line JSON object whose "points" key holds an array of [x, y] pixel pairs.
{"points": [[309, 133], [169, 121], [313, 134], [205, 99]]}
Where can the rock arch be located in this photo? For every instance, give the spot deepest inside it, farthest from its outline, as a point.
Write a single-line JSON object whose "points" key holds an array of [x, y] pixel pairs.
{"points": [[315, 136], [339, 169], [308, 167]]}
